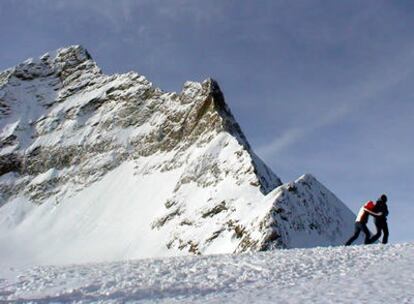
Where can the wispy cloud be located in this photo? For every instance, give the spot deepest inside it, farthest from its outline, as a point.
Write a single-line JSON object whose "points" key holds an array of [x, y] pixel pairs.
{"points": [[350, 100]]}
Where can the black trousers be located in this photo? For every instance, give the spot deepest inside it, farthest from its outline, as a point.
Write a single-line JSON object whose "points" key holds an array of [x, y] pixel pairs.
{"points": [[358, 227], [381, 226]]}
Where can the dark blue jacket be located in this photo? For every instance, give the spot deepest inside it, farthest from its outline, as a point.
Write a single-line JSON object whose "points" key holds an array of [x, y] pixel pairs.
{"points": [[382, 207]]}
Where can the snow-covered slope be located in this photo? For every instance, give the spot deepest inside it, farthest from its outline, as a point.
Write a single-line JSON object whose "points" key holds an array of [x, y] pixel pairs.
{"points": [[96, 167], [356, 274]]}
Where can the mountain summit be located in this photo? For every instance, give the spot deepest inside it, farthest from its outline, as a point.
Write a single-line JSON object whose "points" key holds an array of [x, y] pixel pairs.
{"points": [[97, 167]]}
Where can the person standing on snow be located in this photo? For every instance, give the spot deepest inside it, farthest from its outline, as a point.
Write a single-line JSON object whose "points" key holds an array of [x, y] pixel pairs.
{"points": [[361, 223], [381, 221]]}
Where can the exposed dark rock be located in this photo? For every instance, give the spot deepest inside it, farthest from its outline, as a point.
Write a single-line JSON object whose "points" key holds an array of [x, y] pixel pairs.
{"points": [[215, 210]]}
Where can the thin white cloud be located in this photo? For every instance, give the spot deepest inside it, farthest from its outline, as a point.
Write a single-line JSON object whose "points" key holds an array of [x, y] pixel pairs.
{"points": [[350, 100]]}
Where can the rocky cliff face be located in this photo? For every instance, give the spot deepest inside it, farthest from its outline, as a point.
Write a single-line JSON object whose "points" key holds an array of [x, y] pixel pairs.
{"points": [[106, 167]]}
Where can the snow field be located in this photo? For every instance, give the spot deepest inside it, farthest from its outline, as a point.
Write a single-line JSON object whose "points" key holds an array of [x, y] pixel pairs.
{"points": [[89, 224], [356, 274]]}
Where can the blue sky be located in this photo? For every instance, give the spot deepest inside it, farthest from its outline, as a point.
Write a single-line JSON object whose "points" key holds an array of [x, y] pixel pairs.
{"points": [[321, 87]]}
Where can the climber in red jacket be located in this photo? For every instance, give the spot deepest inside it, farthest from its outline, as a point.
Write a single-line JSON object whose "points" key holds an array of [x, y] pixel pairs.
{"points": [[361, 223]]}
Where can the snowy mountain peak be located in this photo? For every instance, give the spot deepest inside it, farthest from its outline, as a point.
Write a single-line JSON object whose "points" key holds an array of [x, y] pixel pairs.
{"points": [[307, 179], [77, 52], [212, 87], [61, 62], [119, 168], [69, 56]]}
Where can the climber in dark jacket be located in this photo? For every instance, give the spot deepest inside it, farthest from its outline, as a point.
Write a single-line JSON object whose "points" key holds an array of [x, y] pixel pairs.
{"points": [[381, 221], [361, 223]]}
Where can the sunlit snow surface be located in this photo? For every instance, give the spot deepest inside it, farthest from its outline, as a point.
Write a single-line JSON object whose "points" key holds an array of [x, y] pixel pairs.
{"points": [[357, 274]]}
